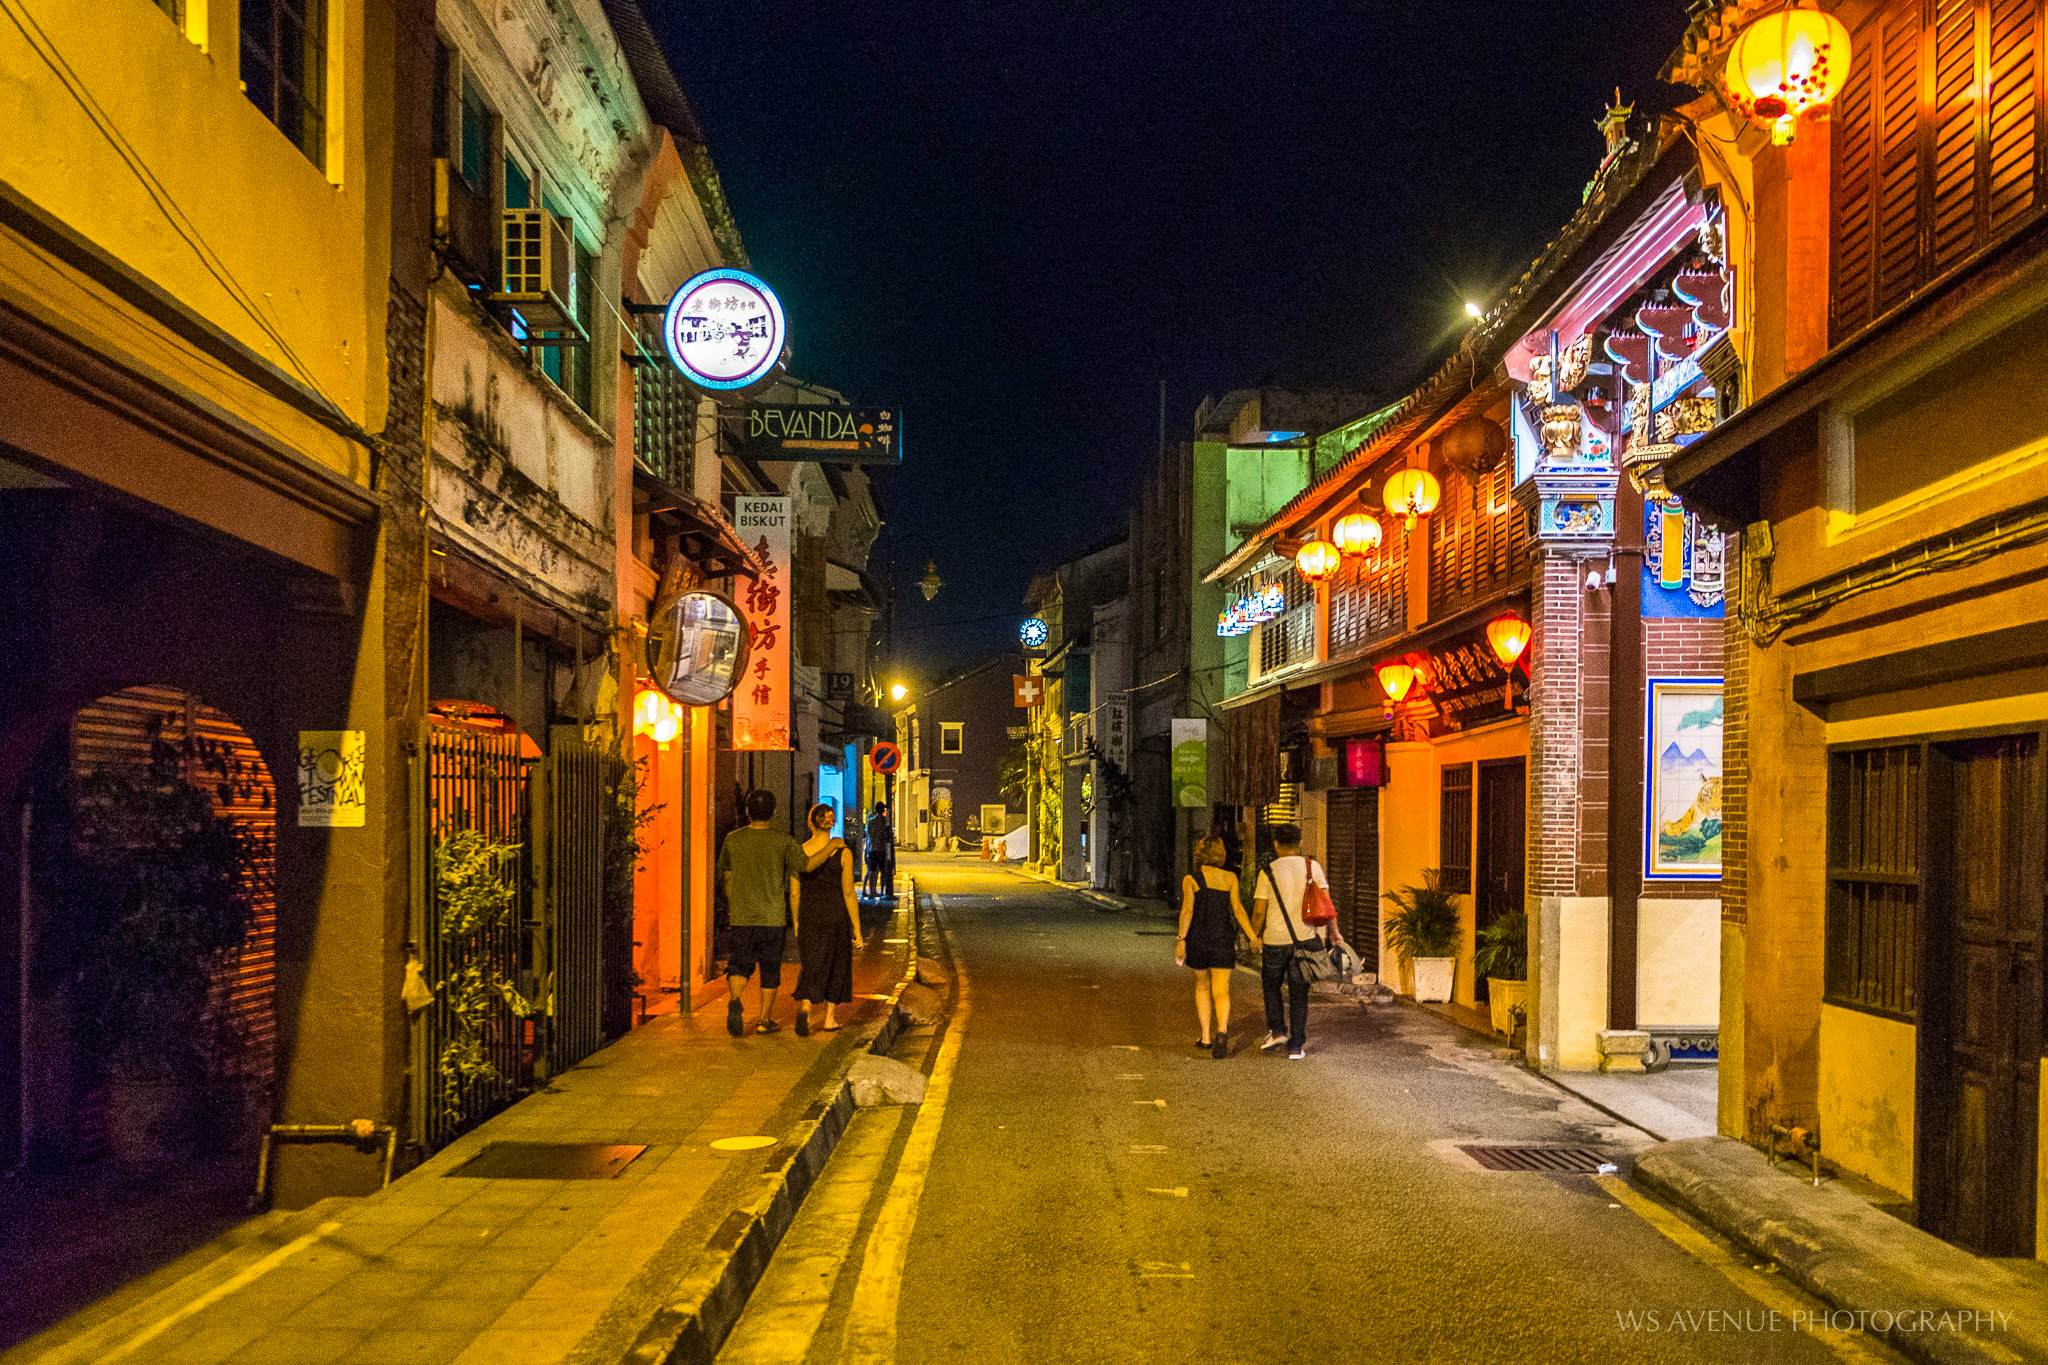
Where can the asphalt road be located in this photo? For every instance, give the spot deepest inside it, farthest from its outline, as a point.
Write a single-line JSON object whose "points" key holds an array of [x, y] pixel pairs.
{"points": [[1084, 1185]]}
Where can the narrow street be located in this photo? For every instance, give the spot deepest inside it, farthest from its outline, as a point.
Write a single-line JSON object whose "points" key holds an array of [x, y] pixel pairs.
{"points": [[1101, 1190]]}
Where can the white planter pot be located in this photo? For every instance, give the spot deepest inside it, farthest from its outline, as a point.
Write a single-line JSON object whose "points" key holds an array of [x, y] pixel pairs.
{"points": [[1434, 977], [1503, 997]]}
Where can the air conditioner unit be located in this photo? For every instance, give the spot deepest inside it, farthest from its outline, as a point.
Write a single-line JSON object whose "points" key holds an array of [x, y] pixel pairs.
{"points": [[537, 265], [463, 229]]}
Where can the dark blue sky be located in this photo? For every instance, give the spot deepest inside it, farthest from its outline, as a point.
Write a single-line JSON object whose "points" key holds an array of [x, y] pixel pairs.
{"points": [[1015, 220]]}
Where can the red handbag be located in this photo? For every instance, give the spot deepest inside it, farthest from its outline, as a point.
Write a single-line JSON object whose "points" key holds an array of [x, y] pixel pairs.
{"points": [[1316, 905]]}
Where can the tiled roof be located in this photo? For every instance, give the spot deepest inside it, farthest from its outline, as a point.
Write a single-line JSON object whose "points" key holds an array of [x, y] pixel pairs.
{"points": [[1712, 24], [660, 91]]}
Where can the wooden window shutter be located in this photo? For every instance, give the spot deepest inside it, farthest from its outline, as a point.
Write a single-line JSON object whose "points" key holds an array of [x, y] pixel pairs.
{"points": [[1855, 190], [2014, 112], [1938, 144]]}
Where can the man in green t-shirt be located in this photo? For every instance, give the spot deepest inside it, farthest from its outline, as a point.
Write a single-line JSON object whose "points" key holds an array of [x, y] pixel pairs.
{"points": [[757, 867]]}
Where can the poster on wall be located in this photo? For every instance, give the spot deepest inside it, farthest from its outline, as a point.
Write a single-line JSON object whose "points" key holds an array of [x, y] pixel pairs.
{"points": [[760, 704], [1191, 764], [333, 786], [1682, 790]]}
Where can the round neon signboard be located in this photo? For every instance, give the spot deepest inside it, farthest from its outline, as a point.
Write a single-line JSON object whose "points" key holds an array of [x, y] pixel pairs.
{"points": [[725, 330], [1033, 633]]}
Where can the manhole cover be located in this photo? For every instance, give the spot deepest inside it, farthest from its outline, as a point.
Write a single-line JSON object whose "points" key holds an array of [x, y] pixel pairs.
{"points": [[1495, 1158], [548, 1161]]}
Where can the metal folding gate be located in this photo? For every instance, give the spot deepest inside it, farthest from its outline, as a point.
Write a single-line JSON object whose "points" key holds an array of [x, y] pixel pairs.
{"points": [[475, 779], [1354, 849], [577, 782]]}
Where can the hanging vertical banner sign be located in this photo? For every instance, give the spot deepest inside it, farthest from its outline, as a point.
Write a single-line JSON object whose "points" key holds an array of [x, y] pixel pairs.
{"points": [[1191, 764], [760, 704]]}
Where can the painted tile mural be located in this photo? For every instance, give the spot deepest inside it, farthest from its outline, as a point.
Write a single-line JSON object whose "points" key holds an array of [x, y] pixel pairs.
{"points": [[1683, 791]]}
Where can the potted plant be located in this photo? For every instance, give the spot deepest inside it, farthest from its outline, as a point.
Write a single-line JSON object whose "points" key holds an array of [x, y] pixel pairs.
{"points": [[156, 883], [1502, 957], [1424, 929]]}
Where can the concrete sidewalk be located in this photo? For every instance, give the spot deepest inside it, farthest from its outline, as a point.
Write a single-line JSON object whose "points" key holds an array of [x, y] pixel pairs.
{"points": [[652, 1259], [1927, 1299]]}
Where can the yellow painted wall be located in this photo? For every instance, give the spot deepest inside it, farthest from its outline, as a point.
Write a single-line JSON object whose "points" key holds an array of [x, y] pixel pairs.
{"points": [[1866, 1096], [1678, 942], [1728, 1100], [1408, 838], [1578, 926], [307, 251]]}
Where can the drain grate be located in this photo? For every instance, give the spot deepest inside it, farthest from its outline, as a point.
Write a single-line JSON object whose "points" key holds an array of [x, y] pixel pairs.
{"points": [[1556, 1159], [548, 1161]]}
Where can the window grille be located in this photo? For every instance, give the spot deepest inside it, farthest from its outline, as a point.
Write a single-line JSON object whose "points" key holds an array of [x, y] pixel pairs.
{"points": [[1454, 825], [1876, 811]]}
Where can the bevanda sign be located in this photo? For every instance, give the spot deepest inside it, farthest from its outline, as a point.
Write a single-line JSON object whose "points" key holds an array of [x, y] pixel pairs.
{"points": [[725, 331]]}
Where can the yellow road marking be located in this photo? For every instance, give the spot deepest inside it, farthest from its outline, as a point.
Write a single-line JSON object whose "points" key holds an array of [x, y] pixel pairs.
{"points": [[1771, 1293], [246, 1275], [871, 1321]]}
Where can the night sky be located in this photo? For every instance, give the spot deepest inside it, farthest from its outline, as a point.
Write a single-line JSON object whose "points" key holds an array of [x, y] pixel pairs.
{"points": [[1015, 220]]}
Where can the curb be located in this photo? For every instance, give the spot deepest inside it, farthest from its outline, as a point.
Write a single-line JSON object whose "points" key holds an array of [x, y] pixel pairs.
{"points": [[1821, 1267], [694, 1321]]}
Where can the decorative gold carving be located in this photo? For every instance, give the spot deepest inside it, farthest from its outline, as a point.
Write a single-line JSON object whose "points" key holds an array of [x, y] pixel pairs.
{"points": [[1561, 425], [1687, 416]]}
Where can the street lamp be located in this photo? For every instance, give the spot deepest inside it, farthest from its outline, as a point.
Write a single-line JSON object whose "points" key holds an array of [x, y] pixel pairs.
{"points": [[897, 691]]}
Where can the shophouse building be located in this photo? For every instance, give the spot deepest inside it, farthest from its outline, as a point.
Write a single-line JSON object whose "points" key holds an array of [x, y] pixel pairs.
{"points": [[957, 737], [1471, 690], [1887, 709]]}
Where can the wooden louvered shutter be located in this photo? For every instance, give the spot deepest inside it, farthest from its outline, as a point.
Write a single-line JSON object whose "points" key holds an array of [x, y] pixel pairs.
{"points": [[1937, 146], [1854, 141], [2015, 110], [1897, 230], [1953, 127]]}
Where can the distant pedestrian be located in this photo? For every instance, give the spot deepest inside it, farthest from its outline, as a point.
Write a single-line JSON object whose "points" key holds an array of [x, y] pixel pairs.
{"points": [[881, 834], [1211, 914], [827, 926], [1281, 891], [757, 866]]}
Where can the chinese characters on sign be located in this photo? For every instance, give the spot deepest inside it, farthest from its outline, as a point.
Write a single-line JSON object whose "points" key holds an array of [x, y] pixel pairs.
{"points": [[333, 793], [725, 330], [1116, 731], [760, 704]]}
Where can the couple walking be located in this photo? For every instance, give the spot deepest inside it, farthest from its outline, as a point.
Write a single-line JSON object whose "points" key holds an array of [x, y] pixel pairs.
{"points": [[1212, 914], [769, 877]]}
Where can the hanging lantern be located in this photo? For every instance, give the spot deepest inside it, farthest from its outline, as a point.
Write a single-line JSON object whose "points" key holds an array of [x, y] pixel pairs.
{"points": [[930, 584], [1411, 493], [1357, 534], [1787, 64], [1317, 560], [1472, 444], [1509, 636], [1395, 679], [666, 729], [647, 709]]}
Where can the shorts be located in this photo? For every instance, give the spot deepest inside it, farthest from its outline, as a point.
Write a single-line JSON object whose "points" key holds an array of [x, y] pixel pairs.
{"points": [[757, 945]]}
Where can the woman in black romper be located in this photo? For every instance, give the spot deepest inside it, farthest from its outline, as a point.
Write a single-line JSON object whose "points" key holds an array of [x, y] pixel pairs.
{"points": [[1209, 903], [827, 927]]}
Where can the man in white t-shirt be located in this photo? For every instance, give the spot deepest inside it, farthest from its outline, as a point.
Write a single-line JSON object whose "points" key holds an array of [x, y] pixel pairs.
{"points": [[1290, 876]]}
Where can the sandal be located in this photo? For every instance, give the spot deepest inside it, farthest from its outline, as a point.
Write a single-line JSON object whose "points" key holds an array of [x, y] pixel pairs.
{"points": [[767, 1026]]}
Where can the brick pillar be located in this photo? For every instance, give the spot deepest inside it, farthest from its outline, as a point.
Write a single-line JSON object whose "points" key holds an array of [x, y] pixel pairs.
{"points": [[1733, 1100], [1557, 655]]}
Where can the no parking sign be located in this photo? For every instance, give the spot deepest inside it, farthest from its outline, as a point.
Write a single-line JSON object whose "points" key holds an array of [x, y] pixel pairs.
{"points": [[886, 757]]}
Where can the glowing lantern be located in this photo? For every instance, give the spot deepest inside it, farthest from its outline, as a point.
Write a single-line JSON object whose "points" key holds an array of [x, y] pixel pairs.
{"points": [[1509, 636], [1788, 64], [1357, 534], [666, 729], [1395, 680], [1411, 493], [1317, 560], [647, 708]]}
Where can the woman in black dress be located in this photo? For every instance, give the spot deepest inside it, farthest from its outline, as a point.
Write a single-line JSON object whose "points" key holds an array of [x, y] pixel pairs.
{"points": [[1209, 903], [827, 927]]}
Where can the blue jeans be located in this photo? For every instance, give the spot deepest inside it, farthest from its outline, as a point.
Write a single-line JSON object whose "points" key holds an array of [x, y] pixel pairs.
{"points": [[1273, 976]]}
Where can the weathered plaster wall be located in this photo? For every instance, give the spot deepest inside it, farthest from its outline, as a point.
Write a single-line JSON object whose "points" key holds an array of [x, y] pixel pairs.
{"points": [[1678, 943], [1866, 1095]]}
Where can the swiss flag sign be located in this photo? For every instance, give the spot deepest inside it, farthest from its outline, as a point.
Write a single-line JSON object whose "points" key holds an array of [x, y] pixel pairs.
{"points": [[1027, 689]]}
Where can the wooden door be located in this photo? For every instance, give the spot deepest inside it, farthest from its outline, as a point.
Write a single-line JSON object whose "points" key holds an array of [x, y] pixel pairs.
{"points": [[1981, 1015], [1502, 816]]}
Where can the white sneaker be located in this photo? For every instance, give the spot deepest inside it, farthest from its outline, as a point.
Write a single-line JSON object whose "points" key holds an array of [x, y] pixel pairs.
{"points": [[1297, 1054], [1272, 1041]]}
